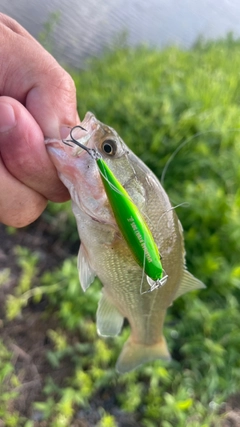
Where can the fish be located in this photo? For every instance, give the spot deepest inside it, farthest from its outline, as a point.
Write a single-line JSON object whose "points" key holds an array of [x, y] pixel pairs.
{"points": [[105, 253]]}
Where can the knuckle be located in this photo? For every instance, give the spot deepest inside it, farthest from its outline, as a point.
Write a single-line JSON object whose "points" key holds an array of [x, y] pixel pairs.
{"points": [[61, 80]]}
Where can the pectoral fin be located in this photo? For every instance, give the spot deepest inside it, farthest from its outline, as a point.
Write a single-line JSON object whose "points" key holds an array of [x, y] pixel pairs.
{"points": [[188, 283], [86, 273], [109, 320]]}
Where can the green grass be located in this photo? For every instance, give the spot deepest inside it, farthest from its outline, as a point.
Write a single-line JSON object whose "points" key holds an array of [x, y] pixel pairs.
{"points": [[158, 100]]}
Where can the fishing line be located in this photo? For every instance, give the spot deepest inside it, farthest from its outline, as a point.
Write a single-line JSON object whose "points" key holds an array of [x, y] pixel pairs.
{"points": [[183, 204], [190, 139], [127, 197], [154, 284], [143, 271]]}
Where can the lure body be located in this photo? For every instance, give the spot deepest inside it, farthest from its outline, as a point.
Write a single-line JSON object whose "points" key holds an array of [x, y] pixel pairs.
{"points": [[131, 224]]}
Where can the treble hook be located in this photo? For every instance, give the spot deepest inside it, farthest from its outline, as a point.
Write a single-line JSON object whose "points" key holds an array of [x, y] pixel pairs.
{"points": [[93, 153], [73, 139]]}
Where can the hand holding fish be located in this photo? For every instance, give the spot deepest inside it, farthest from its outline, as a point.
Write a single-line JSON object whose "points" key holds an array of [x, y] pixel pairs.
{"points": [[37, 99]]}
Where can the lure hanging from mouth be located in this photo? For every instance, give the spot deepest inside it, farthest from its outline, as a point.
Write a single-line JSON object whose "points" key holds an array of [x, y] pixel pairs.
{"points": [[129, 220]]}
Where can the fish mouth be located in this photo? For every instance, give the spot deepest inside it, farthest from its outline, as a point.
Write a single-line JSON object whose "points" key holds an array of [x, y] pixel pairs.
{"points": [[90, 123]]}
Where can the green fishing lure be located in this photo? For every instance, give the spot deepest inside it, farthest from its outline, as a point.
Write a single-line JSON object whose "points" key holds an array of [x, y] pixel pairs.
{"points": [[130, 222]]}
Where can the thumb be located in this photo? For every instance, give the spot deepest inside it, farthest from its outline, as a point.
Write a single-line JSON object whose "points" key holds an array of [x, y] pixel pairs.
{"points": [[23, 151]]}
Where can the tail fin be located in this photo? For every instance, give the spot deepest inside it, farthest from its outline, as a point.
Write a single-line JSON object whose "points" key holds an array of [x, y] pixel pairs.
{"points": [[134, 354]]}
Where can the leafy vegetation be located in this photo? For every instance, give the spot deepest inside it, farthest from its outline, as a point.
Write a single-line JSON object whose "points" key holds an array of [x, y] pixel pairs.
{"points": [[159, 102]]}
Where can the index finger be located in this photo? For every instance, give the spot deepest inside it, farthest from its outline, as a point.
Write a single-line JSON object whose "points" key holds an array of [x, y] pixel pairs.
{"points": [[33, 77]]}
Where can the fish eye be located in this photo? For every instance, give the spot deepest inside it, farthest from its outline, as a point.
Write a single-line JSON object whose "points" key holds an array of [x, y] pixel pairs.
{"points": [[109, 147]]}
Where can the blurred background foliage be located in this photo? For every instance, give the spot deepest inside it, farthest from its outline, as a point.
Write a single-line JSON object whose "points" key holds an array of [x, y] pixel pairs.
{"points": [[179, 112]]}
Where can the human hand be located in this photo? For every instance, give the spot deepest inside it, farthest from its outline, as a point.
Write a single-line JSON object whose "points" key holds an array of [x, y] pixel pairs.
{"points": [[38, 99]]}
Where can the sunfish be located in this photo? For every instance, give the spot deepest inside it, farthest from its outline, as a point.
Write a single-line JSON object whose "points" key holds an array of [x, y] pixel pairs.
{"points": [[104, 251]]}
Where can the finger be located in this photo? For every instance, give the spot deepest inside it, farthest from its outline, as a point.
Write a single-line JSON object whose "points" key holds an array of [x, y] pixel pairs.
{"points": [[19, 205], [33, 77], [23, 151], [14, 25]]}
